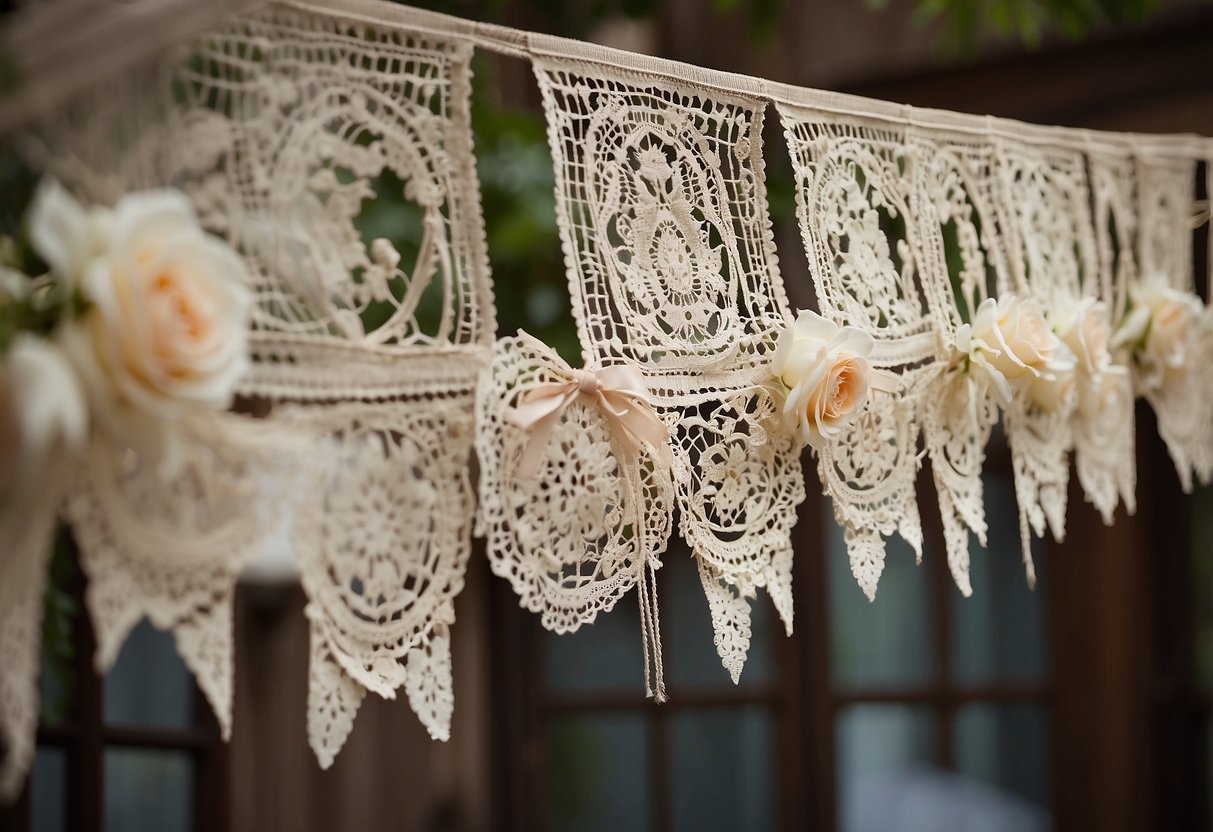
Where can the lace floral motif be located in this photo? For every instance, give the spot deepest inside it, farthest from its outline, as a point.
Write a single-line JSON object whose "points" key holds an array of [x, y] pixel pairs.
{"points": [[671, 263], [383, 556], [739, 482], [959, 414]]}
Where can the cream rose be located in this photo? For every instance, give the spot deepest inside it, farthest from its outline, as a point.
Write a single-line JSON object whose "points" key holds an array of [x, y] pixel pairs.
{"points": [[1055, 391], [1160, 332], [65, 234], [825, 371], [165, 333], [1084, 327], [1011, 344]]}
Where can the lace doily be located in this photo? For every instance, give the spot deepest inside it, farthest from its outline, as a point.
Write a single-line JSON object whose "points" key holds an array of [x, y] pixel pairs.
{"points": [[589, 524], [661, 203], [382, 556]]}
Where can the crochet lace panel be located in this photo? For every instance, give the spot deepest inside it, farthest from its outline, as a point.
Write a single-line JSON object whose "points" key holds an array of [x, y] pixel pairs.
{"points": [[661, 203], [368, 336]]}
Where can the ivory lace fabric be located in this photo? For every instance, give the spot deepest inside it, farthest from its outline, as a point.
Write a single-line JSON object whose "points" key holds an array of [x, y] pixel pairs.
{"points": [[280, 126], [376, 374]]}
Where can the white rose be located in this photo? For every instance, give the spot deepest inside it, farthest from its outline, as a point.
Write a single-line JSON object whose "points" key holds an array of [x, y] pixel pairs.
{"points": [[1011, 344], [14, 286], [166, 331], [1160, 332], [42, 409], [1055, 391], [65, 234], [825, 369]]}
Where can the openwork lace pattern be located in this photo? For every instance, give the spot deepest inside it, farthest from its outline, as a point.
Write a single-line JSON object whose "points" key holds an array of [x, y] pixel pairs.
{"points": [[171, 547], [1105, 448], [661, 203]]}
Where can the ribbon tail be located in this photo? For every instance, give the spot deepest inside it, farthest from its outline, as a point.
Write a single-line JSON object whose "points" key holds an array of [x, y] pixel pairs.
{"points": [[646, 587], [537, 412], [639, 424], [540, 434]]}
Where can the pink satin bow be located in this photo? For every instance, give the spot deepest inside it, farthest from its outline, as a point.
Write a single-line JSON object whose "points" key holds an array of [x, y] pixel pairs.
{"points": [[619, 392]]}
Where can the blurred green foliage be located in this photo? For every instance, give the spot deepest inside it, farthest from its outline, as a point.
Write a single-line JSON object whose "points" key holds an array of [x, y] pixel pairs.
{"points": [[60, 611], [964, 21], [1027, 20], [518, 194]]}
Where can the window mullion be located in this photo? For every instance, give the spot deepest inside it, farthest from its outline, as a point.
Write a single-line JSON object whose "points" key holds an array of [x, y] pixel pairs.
{"points": [[86, 780], [941, 606]]}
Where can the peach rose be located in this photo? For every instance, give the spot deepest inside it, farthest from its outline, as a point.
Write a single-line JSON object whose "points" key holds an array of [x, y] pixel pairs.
{"points": [[1011, 344], [166, 330], [825, 371]]}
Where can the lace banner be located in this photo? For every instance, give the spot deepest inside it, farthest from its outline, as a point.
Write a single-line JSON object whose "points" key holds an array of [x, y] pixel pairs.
{"points": [[968, 271]]}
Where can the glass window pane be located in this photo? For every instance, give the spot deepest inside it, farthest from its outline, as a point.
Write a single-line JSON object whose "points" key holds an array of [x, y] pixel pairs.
{"points": [[887, 642], [691, 660], [48, 790], [598, 775], [1200, 510], [999, 633], [603, 656], [149, 685], [722, 769], [1007, 746], [148, 790], [880, 750]]}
